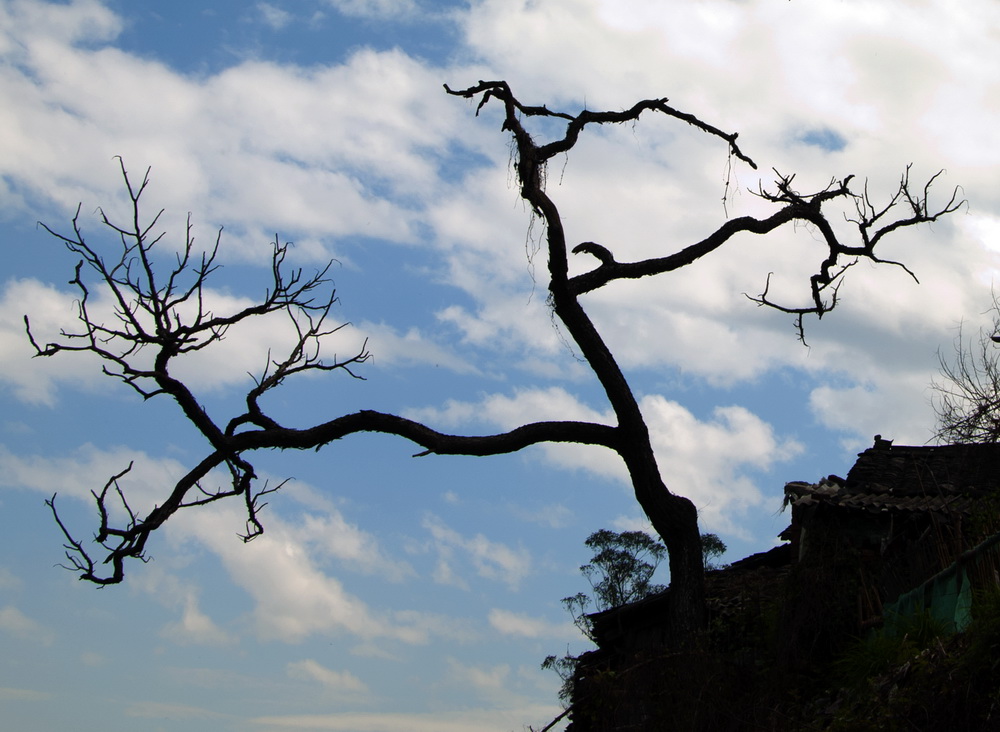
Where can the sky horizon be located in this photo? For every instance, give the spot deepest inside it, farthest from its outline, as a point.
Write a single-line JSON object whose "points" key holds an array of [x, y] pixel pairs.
{"points": [[390, 593]]}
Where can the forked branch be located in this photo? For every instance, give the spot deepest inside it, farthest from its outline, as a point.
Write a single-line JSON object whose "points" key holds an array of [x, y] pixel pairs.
{"points": [[160, 312], [872, 223]]}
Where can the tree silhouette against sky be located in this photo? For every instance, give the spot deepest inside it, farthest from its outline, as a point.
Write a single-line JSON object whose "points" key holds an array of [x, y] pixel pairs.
{"points": [[160, 316]]}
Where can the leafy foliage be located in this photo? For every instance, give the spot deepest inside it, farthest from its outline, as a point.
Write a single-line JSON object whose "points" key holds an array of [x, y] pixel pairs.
{"points": [[711, 547], [621, 570]]}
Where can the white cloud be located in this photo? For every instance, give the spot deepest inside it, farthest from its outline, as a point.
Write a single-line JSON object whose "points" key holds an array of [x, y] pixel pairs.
{"points": [[656, 187], [33, 380], [63, 22], [9, 580], [522, 625], [705, 460], [494, 684], [555, 516], [293, 596], [380, 9], [194, 627], [286, 562], [8, 694], [489, 680], [493, 719], [15, 623], [275, 17], [336, 682], [93, 659], [389, 348], [326, 126], [246, 349], [369, 148], [161, 710], [507, 412], [88, 468], [491, 559], [633, 523], [308, 164]]}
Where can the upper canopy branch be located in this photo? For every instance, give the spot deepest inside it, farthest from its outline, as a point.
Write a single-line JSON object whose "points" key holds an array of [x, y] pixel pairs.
{"points": [[611, 270], [872, 223], [501, 90], [796, 207]]}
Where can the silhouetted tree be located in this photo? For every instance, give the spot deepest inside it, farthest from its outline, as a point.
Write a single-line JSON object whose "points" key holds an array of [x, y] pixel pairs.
{"points": [[160, 317], [620, 572], [711, 547], [967, 400]]}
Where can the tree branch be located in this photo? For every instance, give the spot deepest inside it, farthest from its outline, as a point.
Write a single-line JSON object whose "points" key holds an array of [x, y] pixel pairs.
{"points": [[160, 313]]}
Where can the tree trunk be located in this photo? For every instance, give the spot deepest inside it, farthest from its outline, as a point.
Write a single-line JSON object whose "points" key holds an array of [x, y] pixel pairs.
{"points": [[675, 519]]}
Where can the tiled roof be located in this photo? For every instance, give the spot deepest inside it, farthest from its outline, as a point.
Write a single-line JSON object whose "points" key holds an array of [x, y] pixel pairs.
{"points": [[939, 479]]}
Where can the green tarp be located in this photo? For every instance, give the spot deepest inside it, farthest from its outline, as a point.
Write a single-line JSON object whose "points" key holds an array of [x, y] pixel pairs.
{"points": [[947, 597]]}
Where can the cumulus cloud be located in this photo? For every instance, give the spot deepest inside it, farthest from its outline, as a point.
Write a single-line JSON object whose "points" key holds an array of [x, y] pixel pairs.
{"points": [[22, 695], [339, 683], [491, 559], [298, 168], [15, 623], [371, 149], [160, 710], [9, 580], [380, 9], [194, 627], [294, 596], [247, 348], [489, 680], [283, 571], [390, 347], [294, 167], [698, 320], [275, 17], [34, 380], [493, 719], [709, 461], [522, 625], [87, 468]]}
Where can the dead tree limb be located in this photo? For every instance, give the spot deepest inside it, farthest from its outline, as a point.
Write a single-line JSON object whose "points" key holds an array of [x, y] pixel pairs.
{"points": [[160, 314]]}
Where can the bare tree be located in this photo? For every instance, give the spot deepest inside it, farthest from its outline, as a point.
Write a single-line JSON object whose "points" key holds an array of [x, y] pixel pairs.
{"points": [[162, 314], [967, 400]]}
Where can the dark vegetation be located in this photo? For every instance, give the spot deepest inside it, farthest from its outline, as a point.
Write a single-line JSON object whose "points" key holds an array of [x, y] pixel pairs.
{"points": [[620, 572], [813, 635], [781, 653]]}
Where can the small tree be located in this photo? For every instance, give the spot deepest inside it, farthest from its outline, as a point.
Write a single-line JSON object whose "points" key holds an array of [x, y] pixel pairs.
{"points": [[967, 400], [160, 317], [711, 547], [620, 572]]}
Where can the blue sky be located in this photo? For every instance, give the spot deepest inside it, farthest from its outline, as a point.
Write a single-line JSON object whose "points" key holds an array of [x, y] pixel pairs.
{"points": [[390, 593]]}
